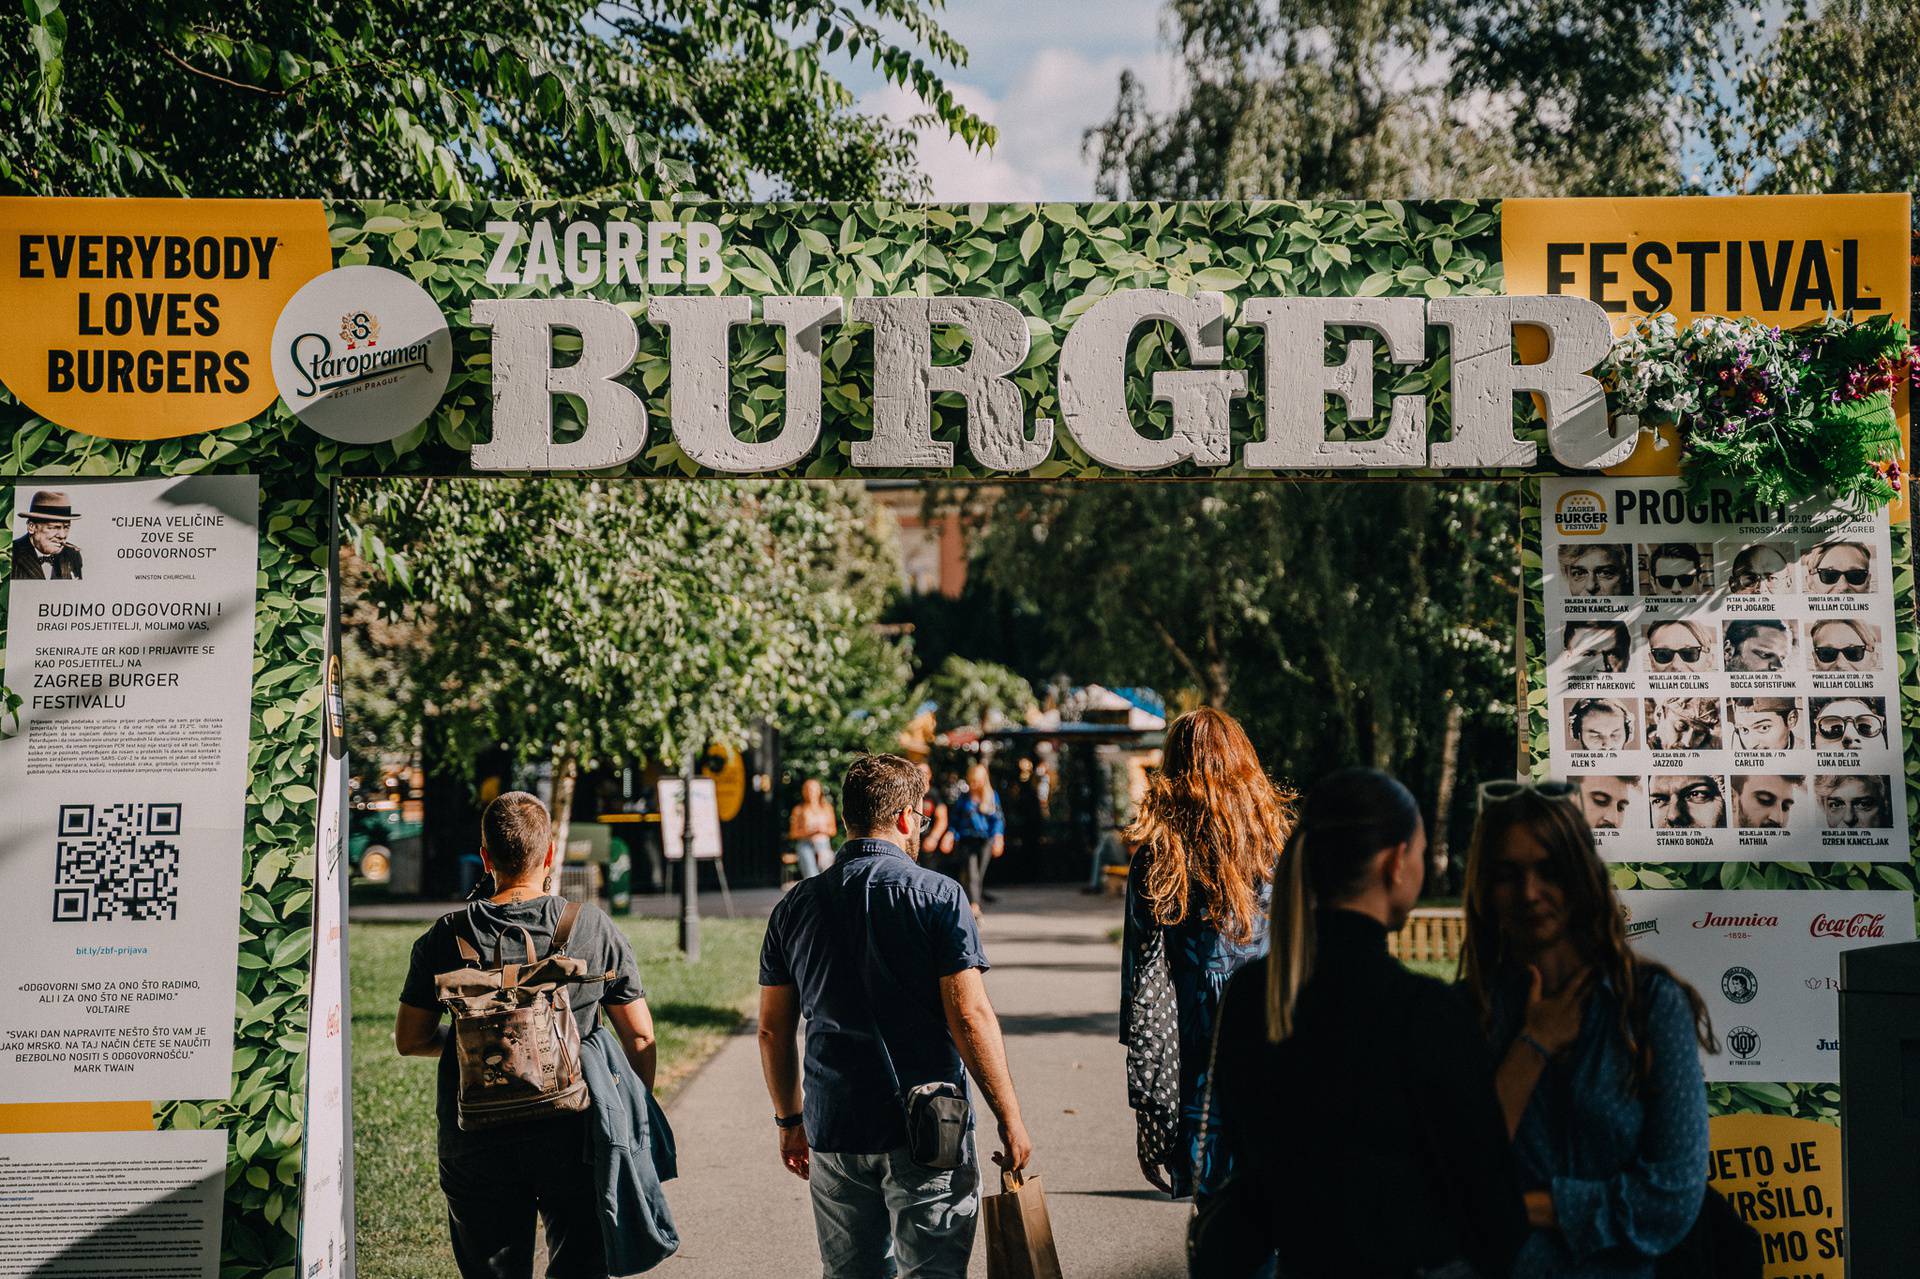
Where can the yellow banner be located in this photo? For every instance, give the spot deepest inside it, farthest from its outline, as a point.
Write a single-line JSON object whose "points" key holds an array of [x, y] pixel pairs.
{"points": [[1783, 1176], [1782, 259], [149, 319], [77, 1116]]}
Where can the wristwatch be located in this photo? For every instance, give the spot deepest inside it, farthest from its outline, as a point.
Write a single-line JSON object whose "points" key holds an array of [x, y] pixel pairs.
{"points": [[788, 1121]]}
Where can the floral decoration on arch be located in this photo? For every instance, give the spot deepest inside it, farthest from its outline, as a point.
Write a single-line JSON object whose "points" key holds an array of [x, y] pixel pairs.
{"points": [[1779, 415]]}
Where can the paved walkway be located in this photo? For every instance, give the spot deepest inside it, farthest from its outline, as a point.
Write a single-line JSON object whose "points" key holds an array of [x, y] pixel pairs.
{"points": [[1055, 983]]}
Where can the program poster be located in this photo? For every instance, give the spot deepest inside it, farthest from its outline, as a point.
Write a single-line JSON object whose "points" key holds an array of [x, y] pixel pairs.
{"points": [[123, 787], [1722, 681], [1768, 965]]}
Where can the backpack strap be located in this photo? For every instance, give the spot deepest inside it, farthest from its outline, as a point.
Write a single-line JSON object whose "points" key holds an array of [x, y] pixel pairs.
{"points": [[460, 936], [564, 929]]}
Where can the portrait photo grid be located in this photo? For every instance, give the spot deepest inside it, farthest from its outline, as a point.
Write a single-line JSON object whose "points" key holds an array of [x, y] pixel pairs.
{"points": [[1722, 683]]}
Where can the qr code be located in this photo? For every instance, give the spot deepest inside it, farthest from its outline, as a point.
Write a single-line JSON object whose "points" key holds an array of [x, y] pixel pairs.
{"points": [[117, 861]]}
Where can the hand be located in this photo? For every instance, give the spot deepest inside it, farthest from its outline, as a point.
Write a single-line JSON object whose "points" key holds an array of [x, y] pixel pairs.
{"points": [[1015, 1147], [999, 845], [1555, 1020], [1540, 1213], [794, 1152]]}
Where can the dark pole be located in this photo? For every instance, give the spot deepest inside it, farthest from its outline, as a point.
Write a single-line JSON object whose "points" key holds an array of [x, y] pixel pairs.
{"points": [[689, 868]]}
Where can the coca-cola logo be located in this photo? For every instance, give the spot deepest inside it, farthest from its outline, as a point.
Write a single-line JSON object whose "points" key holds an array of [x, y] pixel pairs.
{"points": [[1861, 925]]}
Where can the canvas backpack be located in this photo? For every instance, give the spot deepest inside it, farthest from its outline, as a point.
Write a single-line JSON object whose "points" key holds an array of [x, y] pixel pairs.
{"points": [[514, 1034]]}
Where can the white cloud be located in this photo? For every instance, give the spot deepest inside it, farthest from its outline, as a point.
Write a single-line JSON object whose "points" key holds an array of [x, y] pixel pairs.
{"points": [[1056, 96]]}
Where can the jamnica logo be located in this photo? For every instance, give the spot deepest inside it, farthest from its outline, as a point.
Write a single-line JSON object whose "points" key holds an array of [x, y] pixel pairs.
{"points": [[1711, 920], [1861, 925]]}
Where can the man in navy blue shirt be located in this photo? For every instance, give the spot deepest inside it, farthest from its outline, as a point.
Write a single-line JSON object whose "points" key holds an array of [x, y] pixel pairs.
{"points": [[884, 960]]}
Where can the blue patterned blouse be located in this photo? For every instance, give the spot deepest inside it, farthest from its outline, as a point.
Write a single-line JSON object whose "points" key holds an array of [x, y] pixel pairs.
{"points": [[1627, 1172], [1199, 960]]}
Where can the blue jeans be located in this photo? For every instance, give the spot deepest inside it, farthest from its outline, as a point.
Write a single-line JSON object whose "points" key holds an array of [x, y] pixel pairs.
{"points": [[880, 1216], [814, 852]]}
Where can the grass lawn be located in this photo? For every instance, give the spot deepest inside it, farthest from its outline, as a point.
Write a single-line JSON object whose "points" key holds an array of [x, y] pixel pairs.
{"points": [[400, 1221]]}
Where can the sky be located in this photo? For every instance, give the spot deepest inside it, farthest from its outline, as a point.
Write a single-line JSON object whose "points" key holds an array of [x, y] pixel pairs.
{"points": [[1044, 72]]}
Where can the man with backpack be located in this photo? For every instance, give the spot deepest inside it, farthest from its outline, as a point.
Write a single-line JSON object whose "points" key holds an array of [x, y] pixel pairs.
{"points": [[883, 958], [526, 976]]}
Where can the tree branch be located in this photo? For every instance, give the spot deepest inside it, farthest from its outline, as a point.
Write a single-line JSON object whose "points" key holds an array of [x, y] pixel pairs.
{"points": [[184, 65]]}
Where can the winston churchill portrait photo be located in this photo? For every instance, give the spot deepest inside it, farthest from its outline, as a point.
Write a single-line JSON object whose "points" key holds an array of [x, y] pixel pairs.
{"points": [[42, 553]]}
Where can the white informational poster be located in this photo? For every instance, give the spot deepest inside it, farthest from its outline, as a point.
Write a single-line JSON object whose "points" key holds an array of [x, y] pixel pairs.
{"points": [[1722, 682], [112, 1205], [706, 819], [123, 787], [326, 1187], [1768, 964]]}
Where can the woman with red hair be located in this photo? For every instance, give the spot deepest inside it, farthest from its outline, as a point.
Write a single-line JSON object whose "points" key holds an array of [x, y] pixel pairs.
{"points": [[1208, 835]]}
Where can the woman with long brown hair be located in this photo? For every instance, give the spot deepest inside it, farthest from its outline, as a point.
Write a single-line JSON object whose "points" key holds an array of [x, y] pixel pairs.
{"points": [[1599, 1075], [1208, 833]]}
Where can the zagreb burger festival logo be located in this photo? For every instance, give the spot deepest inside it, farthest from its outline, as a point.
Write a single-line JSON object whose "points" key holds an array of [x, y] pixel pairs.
{"points": [[1581, 513], [362, 354]]}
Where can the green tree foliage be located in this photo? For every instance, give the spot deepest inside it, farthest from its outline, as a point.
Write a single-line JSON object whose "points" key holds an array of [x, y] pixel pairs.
{"points": [[594, 621], [1339, 623], [1414, 98], [970, 694], [512, 98], [1827, 101]]}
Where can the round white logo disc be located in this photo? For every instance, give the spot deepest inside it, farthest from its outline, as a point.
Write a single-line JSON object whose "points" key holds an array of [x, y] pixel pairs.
{"points": [[362, 354]]}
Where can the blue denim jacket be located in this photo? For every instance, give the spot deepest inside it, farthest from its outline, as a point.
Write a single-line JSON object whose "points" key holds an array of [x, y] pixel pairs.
{"points": [[631, 1149], [1627, 1172]]}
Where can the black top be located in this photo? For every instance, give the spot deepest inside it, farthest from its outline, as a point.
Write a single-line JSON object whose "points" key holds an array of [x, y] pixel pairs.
{"points": [[901, 929], [596, 940], [1371, 1141]]}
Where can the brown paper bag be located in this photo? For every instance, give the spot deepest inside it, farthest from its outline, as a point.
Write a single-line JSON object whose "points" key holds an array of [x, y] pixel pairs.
{"points": [[1019, 1235]]}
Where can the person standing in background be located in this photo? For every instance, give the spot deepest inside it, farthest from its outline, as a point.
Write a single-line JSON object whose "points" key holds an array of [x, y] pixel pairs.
{"points": [[979, 834], [1209, 831], [935, 835], [811, 827]]}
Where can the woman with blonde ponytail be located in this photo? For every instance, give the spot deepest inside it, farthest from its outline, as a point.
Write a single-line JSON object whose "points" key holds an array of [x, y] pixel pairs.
{"points": [[1207, 834], [1353, 1100]]}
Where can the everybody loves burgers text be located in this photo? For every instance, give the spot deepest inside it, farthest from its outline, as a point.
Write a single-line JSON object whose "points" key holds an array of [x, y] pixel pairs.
{"points": [[129, 312]]}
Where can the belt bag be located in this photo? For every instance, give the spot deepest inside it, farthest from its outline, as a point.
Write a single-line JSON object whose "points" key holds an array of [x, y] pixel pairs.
{"points": [[937, 1118]]}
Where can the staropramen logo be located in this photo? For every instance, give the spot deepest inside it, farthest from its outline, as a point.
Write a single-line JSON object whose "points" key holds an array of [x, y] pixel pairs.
{"points": [[362, 354]]}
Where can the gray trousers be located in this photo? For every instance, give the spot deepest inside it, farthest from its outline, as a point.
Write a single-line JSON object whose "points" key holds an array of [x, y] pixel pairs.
{"points": [[882, 1216]]}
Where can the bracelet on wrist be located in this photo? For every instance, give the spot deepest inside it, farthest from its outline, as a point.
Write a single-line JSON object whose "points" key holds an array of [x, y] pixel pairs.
{"points": [[788, 1121], [1536, 1045]]}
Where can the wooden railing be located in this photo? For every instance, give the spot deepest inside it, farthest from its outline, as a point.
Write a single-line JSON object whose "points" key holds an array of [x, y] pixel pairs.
{"points": [[1432, 934]]}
